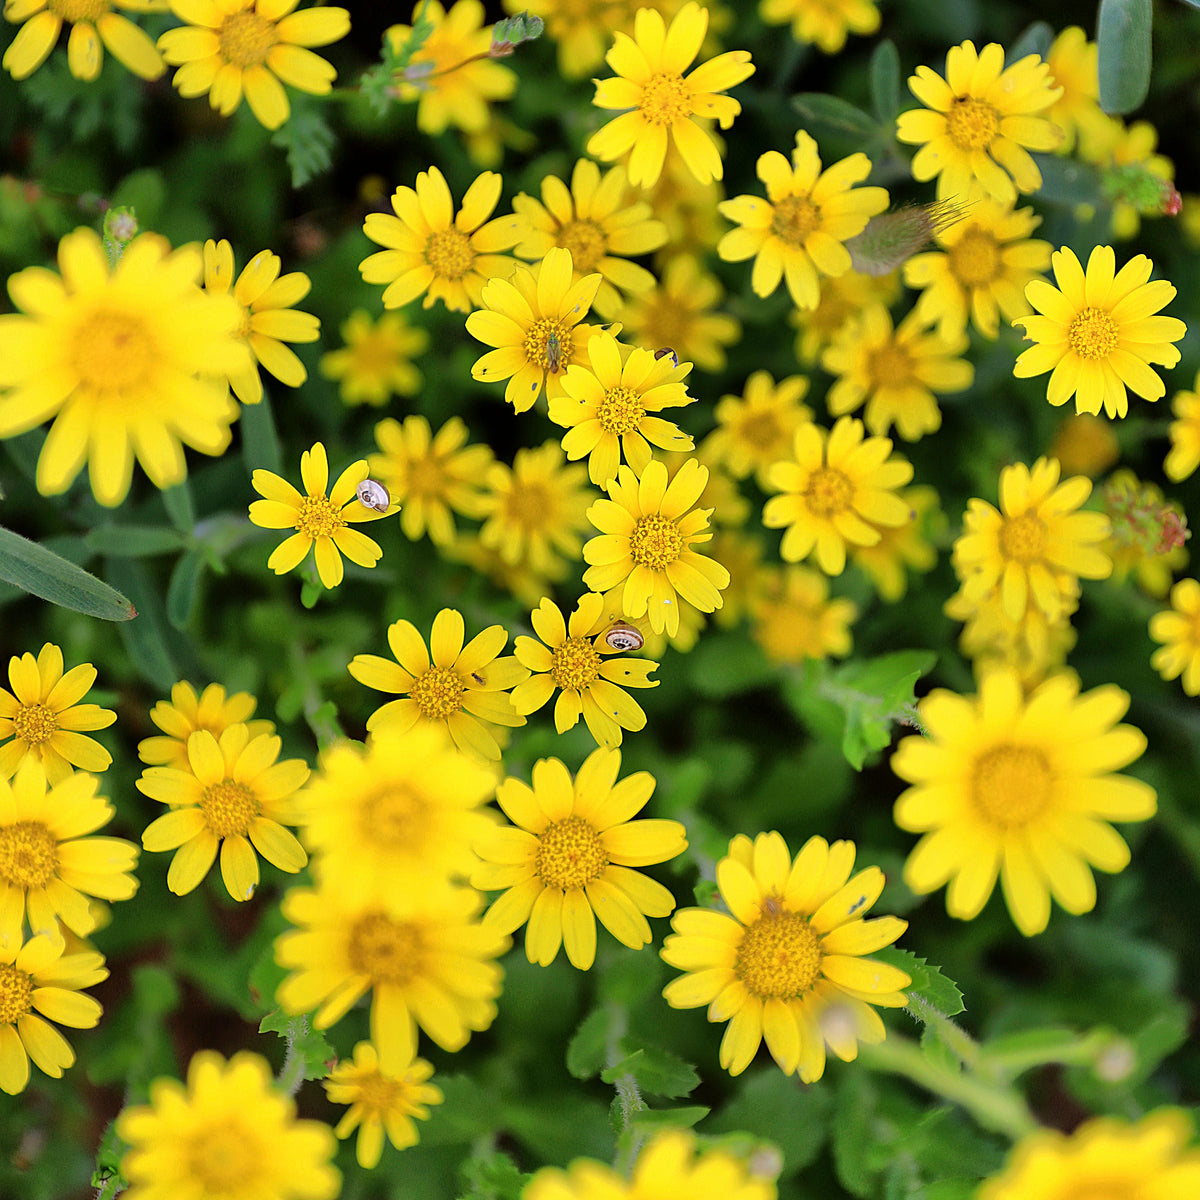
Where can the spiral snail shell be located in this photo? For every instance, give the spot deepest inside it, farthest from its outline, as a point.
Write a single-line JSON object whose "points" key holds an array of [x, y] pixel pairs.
{"points": [[623, 636], [372, 494]]}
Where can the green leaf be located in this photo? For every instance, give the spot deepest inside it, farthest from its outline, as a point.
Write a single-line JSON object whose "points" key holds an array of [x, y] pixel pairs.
{"points": [[260, 441], [1123, 37], [726, 664], [308, 139], [302, 1039], [651, 1120], [657, 1072], [42, 573], [588, 1045], [132, 541], [885, 81], [1068, 182], [1033, 39], [180, 506], [148, 640], [184, 588], [822, 113], [928, 982], [491, 1177], [143, 191]]}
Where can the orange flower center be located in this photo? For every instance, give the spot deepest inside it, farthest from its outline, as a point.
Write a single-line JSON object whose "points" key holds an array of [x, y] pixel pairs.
{"points": [[16, 995], [34, 724], [780, 954], [829, 492], [229, 807], [795, 218], [576, 665], [1093, 334], [378, 1094], [975, 258], [386, 950], [655, 542], [665, 99], [79, 10], [318, 518], [1011, 785], [222, 1160], [570, 854], [548, 344], [28, 854], [586, 242], [890, 366], [112, 351], [449, 253], [246, 38], [1023, 538], [438, 693], [972, 124], [621, 411]]}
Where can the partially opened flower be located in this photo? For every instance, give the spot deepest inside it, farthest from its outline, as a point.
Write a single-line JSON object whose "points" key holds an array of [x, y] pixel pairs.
{"points": [[94, 28], [185, 712]]}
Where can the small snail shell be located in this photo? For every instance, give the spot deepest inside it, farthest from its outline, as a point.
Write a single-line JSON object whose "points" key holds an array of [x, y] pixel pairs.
{"points": [[622, 636], [667, 352], [373, 495]]}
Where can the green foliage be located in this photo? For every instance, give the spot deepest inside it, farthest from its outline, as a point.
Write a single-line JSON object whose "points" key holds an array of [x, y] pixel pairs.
{"points": [[309, 1054], [929, 986], [41, 572], [308, 139], [1123, 35]]}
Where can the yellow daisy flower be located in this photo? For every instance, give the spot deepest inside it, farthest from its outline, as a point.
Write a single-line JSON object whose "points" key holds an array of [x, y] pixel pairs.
{"points": [[44, 718], [894, 372], [91, 24], [608, 405], [1096, 331], [453, 78], [839, 488], [651, 83], [431, 476], [792, 617], [376, 361], [571, 657], [899, 546], [980, 122], [461, 689], [532, 319], [742, 557], [566, 859], [186, 712], [118, 358], [786, 961], [1178, 629], [380, 1102], [1021, 787], [1184, 455], [825, 23], [228, 48], [1074, 64], [233, 796], [647, 528], [688, 209], [801, 227], [431, 250], [1084, 444], [321, 521], [230, 1133], [40, 984], [981, 269], [1036, 546], [268, 318], [428, 962], [592, 220], [841, 299]]}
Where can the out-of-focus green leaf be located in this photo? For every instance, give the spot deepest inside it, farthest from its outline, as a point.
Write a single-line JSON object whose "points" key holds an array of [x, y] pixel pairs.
{"points": [[825, 114], [147, 640], [42, 573], [724, 664], [885, 81], [657, 1072], [587, 1048], [303, 1040], [1033, 39], [260, 441], [184, 588], [651, 1120], [308, 139], [1123, 37], [1067, 182], [180, 506], [492, 1177], [132, 541]]}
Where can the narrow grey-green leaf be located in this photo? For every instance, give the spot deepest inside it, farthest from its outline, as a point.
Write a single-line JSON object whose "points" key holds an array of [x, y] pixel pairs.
{"points": [[1123, 35], [180, 507], [147, 640], [885, 81], [260, 442], [1033, 39], [43, 573], [132, 541], [822, 113], [184, 588]]}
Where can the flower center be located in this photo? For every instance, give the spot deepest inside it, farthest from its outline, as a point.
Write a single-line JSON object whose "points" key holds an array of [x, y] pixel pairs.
{"points": [[890, 366], [576, 665], [246, 38], [586, 242], [394, 816], [972, 124], [780, 954], [378, 1094], [1011, 785], [112, 351], [16, 995], [224, 1159], [621, 411], [548, 345], [318, 518], [438, 693], [571, 854], [28, 854], [1023, 538], [762, 431], [376, 354], [1092, 334], [666, 99], [795, 218], [829, 492], [975, 258], [79, 10], [386, 950], [531, 506], [228, 807], [655, 542], [34, 724], [449, 253]]}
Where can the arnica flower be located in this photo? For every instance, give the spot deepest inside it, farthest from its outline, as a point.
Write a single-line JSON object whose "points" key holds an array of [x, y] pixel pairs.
{"points": [[40, 984], [1184, 455], [185, 712], [1036, 546], [592, 220], [532, 319], [910, 545], [376, 361], [567, 858], [894, 372], [230, 1133], [461, 689], [48, 866], [569, 657], [427, 961], [981, 269], [234, 796], [801, 227], [1178, 630], [650, 82], [1103, 1156], [1096, 332], [837, 490], [268, 318], [1085, 444], [668, 1164], [452, 78], [980, 122], [431, 250], [231, 47], [841, 299], [380, 1102], [793, 618], [1019, 787], [117, 357], [321, 522], [608, 407], [1074, 64], [786, 962], [647, 529], [825, 23], [431, 476], [92, 23], [44, 718]]}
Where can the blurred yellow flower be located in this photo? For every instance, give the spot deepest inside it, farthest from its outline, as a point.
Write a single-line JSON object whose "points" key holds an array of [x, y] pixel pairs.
{"points": [[792, 617], [1184, 455], [756, 429], [1085, 444], [841, 299], [900, 546], [92, 23], [1178, 630], [1074, 67], [376, 361], [822, 22]]}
